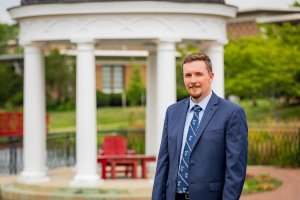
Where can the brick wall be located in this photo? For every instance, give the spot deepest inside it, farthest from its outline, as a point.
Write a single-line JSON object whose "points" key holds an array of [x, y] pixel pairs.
{"points": [[237, 30]]}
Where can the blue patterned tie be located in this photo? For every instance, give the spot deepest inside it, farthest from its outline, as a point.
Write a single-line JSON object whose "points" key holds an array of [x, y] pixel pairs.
{"points": [[182, 181]]}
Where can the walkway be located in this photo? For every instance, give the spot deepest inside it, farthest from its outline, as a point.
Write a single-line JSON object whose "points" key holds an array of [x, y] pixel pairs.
{"points": [[289, 190], [58, 188]]}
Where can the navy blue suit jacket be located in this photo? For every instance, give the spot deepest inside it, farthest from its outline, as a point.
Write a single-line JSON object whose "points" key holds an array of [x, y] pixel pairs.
{"points": [[218, 160]]}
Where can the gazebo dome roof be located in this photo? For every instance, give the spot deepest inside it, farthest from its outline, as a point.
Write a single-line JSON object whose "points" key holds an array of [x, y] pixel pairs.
{"points": [[29, 2], [129, 21]]}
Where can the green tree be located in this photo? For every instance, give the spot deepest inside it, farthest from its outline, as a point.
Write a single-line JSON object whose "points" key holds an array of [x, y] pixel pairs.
{"points": [[266, 66], [11, 84], [11, 87], [247, 63], [288, 70], [60, 80], [7, 33], [295, 4], [136, 88]]}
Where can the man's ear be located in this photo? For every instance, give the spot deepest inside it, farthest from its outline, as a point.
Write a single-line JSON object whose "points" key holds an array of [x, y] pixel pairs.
{"points": [[211, 75]]}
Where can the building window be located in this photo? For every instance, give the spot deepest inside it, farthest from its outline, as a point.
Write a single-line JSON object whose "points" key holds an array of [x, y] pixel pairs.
{"points": [[113, 79]]}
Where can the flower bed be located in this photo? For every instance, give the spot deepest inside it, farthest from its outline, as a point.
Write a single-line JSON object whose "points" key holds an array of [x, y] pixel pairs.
{"points": [[260, 183]]}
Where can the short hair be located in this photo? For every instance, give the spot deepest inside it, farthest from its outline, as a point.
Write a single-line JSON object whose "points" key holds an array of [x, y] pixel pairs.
{"points": [[199, 56]]}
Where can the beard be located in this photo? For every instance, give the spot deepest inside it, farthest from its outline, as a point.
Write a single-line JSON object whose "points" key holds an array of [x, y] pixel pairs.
{"points": [[195, 91], [196, 96]]}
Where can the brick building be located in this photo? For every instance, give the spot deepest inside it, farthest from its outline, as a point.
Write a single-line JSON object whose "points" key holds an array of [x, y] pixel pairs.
{"points": [[247, 22]]}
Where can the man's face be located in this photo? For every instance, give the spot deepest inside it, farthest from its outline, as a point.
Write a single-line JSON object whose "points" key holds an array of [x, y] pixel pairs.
{"points": [[197, 79]]}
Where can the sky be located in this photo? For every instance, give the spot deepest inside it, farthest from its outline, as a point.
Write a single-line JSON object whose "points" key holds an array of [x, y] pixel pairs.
{"points": [[241, 4]]}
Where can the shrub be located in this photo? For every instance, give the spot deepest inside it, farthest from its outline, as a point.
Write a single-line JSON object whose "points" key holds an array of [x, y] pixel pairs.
{"points": [[10, 85], [136, 88], [102, 99], [181, 94], [115, 100], [274, 147], [65, 106], [17, 99]]}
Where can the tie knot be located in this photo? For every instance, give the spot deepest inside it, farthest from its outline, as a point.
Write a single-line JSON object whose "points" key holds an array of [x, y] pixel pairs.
{"points": [[196, 108]]}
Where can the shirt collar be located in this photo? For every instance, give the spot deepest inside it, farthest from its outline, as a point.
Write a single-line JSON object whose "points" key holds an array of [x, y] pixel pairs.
{"points": [[202, 103]]}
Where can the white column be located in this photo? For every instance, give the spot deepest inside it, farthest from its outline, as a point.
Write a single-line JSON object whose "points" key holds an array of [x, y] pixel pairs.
{"points": [[216, 53], [86, 128], [34, 139], [166, 84], [151, 102]]}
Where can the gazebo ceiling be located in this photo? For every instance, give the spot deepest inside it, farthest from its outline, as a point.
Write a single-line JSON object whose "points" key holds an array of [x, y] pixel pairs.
{"points": [[29, 2]]}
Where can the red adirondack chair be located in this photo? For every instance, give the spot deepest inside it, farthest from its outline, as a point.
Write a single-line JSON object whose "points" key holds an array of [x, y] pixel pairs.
{"points": [[114, 145], [117, 145]]}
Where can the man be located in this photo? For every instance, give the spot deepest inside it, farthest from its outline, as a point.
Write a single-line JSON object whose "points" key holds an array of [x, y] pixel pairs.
{"points": [[203, 152]]}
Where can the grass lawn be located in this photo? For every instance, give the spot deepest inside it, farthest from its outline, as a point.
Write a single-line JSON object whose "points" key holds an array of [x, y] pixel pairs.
{"points": [[270, 111], [115, 118]]}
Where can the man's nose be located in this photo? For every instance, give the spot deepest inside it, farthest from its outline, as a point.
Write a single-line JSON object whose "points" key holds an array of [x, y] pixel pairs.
{"points": [[193, 79]]}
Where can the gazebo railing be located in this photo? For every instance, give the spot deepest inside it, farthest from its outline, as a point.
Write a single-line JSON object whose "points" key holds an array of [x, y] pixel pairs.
{"points": [[61, 149]]}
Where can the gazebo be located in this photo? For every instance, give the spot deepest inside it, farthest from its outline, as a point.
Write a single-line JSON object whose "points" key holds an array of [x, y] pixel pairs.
{"points": [[156, 25]]}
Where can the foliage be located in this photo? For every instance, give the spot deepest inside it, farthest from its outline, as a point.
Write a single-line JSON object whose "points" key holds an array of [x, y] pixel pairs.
{"points": [[295, 4], [182, 93], [15, 102], [136, 88], [288, 59], [10, 86], [136, 142], [266, 66], [67, 105], [7, 33], [104, 100], [60, 81], [115, 99], [245, 67], [268, 111], [274, 146], [260, 183]]}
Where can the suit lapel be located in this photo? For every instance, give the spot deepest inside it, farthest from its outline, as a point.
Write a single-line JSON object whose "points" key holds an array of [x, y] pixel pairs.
{"points": [[208, 113], [181, 117]]}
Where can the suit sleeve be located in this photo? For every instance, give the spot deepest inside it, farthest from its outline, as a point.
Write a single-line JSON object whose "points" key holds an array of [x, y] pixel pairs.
{"points": [[162, 169], [236, 155]]}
